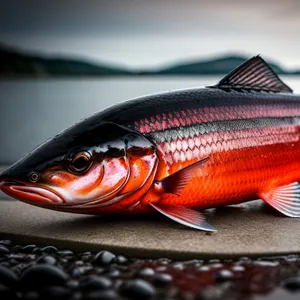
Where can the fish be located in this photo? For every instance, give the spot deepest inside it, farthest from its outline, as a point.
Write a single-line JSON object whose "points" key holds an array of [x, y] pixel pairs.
{"points": [[175, 153]]}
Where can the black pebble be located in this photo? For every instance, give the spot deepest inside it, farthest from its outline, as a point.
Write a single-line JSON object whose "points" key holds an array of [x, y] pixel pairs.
{"points": [[41, 276], [6, 242], [6, 293], [5, 264], [47, 259], [3, 250], [7, 277], [161, 279], [49, 249], [16, 248], [77, 272], [55, 292], [120, 259], [31, 295], [65, 253], [101, 295], [138, 289], [28, 249], [104, 258], [73, 284], [223, 275], [145, 272], [292, 284], [112, 273], [86, 256], [37, 251], [95, 282]]}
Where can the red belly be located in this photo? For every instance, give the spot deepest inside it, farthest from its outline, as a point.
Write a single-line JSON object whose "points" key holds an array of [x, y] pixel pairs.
{"points": [[239, 175]]}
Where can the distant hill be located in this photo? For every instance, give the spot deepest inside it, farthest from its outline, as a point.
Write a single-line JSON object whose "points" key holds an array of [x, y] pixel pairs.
{"points": [[16, 63], [221, 65]]}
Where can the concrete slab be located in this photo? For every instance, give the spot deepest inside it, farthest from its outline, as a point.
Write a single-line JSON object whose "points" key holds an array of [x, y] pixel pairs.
{"points": [[247, 230]]}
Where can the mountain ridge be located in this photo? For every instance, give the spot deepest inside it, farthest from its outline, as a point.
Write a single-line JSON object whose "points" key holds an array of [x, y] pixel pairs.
{"points": [[17, 63]]}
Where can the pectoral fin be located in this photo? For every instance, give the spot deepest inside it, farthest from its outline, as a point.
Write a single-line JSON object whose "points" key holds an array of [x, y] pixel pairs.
{"points": [[175, 183], [285, 199], [184, 216]]}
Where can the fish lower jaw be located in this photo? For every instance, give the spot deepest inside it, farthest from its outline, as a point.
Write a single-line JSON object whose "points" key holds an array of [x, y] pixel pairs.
{"points": [[30, 194]]}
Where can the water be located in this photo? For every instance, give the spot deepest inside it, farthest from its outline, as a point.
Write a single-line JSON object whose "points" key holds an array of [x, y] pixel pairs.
{"points": [[31, 111]]}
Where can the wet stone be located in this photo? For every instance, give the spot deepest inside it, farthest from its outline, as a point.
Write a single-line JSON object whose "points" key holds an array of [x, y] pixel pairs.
{"points": [[79, 271], [49, 249], [103, 295], [3, 250], [178, 266], [161, 268], [244, 259], [5, 242], [37, 251], [214, 261], [138, 289], [31, 295], [28, 249], [41, 276], [112, 273], [265, 263], [5, 264], [104, 258], [145, 272], [197, 262], [16, 248], [223, 275], [161, 279], [86, 256], [95, 282], [65, 252], [79, 263], [73, 284], [77, 295], [6, 293], [238, 268], [17, 257], [7, 277], [47, 259], [292, 284], [164, 261], [63, 260], [120, 259], [55, 292]]}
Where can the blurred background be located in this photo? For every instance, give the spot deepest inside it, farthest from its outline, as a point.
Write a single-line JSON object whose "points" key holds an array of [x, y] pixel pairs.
{"points": [[62, 60]]}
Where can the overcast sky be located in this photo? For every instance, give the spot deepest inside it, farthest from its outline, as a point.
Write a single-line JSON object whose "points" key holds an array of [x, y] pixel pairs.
{"points": [[139, 33]]}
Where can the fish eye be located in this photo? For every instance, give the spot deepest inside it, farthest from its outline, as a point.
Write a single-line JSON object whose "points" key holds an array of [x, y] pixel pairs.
{"points": [[80, 162], [34, 177]]}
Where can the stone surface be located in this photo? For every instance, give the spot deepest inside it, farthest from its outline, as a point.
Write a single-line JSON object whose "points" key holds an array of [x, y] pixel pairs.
{"points": [[2, 195], [247, 230]]}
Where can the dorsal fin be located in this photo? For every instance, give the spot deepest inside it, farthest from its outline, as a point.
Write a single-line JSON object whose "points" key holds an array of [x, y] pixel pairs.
{"points": [[253, 75]]}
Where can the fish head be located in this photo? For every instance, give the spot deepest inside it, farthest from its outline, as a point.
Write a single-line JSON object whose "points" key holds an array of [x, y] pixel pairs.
{"points": [[88, 165]]}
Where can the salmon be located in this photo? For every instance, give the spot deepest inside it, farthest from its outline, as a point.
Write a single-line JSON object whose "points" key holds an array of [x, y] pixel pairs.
{"points": [[174, 153]]}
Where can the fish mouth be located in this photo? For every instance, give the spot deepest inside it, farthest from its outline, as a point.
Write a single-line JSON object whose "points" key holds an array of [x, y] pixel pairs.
{"points": [[31, 194]]}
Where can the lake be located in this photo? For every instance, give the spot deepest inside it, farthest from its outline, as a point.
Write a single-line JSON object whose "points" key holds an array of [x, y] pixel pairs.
{"points": [[33, 110]]}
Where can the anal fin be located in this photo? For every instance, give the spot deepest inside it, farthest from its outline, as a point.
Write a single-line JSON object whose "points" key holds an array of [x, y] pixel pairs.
{"points": [[184, 216], [285, 199]]}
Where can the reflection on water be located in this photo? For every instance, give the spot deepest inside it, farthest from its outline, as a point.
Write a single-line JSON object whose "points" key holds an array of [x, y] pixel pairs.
{"points": [[34, 110]]}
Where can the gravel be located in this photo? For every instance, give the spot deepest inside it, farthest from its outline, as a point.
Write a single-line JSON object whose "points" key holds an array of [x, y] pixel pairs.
{"points": [[45, 272]]}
